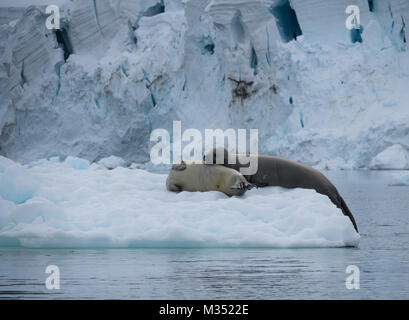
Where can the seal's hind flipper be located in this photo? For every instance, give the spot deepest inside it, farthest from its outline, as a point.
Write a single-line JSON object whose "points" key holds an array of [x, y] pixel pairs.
{"points": [[348, 213]]}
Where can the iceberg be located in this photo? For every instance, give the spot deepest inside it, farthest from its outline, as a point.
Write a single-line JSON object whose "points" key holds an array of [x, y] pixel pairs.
{"points": [[395, 157], [400, 179], [70, 207]]}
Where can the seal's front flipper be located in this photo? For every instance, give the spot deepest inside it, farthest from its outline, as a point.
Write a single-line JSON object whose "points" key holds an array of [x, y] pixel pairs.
{"points": [[175, 188]]}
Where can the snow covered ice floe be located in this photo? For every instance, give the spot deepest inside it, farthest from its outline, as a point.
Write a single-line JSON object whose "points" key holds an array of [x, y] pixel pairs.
{"points": [[60, 205]]}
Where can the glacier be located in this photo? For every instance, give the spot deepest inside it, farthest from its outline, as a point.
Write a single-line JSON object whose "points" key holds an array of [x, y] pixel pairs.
{"points": [[118, 69], [77, 204]]}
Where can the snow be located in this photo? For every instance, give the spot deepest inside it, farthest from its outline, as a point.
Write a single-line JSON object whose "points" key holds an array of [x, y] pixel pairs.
{"points": [[112, 162], [52, 205], [394, 157], [17, 184]]}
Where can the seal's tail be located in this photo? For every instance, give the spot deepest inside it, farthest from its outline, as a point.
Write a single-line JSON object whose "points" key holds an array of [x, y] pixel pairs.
{"points": [[343, 206]]}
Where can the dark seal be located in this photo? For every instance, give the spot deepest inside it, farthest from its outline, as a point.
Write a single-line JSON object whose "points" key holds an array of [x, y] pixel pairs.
{"points": [[275, 171]]}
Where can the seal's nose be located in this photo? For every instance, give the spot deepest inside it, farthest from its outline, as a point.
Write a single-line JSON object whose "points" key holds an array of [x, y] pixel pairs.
{"points": [[250, 186]]}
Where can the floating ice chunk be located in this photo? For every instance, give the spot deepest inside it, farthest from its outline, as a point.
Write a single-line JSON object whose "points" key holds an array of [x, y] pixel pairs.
{"points": [[54, 159], [394, 157], [44, 162], [401, 179], [96, 166], [17, 184], [77, 163], [112, 162], [132, 208], [135, 165]]}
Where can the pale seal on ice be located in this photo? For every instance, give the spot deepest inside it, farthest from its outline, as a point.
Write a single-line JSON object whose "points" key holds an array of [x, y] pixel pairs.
{"points": [[197, 176]]}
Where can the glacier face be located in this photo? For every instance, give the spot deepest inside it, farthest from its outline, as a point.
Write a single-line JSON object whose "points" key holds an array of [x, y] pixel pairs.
{"points": [[118, 69]]}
